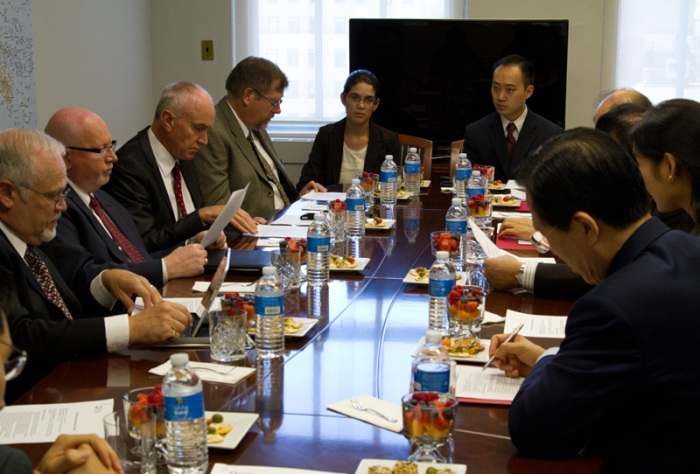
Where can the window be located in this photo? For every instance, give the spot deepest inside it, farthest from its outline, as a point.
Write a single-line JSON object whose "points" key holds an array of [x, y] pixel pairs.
{"points": [[317, 40]]}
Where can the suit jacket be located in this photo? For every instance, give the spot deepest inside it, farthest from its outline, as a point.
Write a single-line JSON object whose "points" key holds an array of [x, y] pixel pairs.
{"points": [[137, 185], [617, 385], [485, 142], [83, 248], [38, 326], [14, 461], [326, 158], [228, 163]]}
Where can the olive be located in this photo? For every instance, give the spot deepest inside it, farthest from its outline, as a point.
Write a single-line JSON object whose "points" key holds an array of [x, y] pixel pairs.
{"points": [[211, 430], [431, 470], [218, 418]]}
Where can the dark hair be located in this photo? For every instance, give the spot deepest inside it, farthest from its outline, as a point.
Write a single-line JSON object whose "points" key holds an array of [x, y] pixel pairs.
{"points": [[584, 170], [619, 121], [361, 75], [527, 68], [256, 73], [673, 127]]}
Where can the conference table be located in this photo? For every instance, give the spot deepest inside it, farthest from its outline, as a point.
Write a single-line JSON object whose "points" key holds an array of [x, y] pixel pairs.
{"points": [[368, 326]]}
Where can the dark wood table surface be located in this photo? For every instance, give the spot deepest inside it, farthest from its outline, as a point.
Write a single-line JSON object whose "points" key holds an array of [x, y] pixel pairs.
{"points": [[369, 324]]}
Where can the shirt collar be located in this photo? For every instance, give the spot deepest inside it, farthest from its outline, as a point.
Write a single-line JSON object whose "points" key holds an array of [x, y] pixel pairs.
{"points": [[244, 127], [518, 121], [19, 244], [164, 159], [85, 197]]}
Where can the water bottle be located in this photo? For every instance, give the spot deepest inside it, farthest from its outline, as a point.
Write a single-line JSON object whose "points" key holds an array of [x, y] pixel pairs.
{"points": [[389, 175], [463, 171], [432, 369], [185, 425], [456, 221], [440, 283], [317, 253], [269, 315], [411, 171], [476, 185], [355, 210]]}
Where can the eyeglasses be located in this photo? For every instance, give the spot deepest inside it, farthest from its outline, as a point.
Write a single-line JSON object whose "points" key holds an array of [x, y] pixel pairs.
{"points": [[369, 101], [540, 242], [15, 362], [56, 199], [100, 151], [269, 101]]}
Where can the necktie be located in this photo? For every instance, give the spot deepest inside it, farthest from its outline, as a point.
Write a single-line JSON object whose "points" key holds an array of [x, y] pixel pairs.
{"points": [[45, 280], [268, 171], [121, 239], [510, 139], [177, 182]]}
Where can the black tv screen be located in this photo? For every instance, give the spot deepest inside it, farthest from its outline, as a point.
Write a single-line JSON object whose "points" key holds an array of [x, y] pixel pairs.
{"points": [[435, 75]]}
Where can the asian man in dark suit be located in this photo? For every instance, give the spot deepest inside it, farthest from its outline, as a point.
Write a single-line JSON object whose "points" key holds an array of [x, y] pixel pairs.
{"points": [[503, 138], [155, 178], [96, 232]]}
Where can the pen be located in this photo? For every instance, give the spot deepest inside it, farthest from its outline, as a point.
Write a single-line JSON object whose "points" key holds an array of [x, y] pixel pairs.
{"points": [[510, 338]]}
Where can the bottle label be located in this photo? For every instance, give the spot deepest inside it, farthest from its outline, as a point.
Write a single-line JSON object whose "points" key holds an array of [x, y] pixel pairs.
{"points": [[440, 288], [412, 168], [354, 204], [389, 176], [461, 175], [319, 244], [456, 226], [472, 192], [269, 305], [188, 408], [432, 378]]}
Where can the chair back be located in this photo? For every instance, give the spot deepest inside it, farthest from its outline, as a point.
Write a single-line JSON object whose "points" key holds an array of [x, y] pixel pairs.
{"points": [[425, 151], [455, 149]]}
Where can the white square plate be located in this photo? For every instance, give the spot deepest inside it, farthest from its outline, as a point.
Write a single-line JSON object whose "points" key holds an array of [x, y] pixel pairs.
{"points": [[365, 464], [425, 183], [513, 203], [478, 358], [361, 264], [461, 276], [306, 325], [241, 423], [389, 225]]}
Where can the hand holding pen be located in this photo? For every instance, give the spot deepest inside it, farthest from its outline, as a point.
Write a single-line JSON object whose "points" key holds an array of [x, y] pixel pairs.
{"points": [[513, 354]]}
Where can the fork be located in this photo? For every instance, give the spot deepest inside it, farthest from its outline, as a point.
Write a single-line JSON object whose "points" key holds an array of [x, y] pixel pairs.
{"points": [[358, 405], [216, 371]]}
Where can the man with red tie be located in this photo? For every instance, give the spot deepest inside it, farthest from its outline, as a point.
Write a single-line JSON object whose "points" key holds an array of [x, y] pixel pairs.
{"points": [[52, 324]]}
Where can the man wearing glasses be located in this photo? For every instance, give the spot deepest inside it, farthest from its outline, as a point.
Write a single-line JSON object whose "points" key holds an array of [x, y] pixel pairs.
{"points": [[52, 323], [240, 151]]}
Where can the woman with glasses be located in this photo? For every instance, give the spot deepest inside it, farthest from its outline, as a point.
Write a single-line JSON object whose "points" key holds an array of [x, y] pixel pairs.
{"points": [[355, 144]]}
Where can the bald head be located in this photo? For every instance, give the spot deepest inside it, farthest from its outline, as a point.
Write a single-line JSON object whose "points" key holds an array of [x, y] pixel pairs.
{"points": [[619, 97]]}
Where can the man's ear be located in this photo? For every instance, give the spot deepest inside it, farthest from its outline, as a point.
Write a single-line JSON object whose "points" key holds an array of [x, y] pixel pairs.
{"points": [[247, 96], [166, 120], [7, 194], [586, 226], [528, 91]]}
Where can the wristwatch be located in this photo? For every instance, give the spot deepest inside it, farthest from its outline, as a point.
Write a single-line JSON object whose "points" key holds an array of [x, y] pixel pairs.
{"points": [[520, 275]]}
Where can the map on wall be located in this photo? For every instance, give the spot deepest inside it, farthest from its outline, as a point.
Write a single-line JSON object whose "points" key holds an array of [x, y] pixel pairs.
{"points": [[17, 88]]}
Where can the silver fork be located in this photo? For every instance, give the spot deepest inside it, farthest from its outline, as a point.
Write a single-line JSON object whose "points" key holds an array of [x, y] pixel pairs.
{"points": [[216, 371], [358, 405]]}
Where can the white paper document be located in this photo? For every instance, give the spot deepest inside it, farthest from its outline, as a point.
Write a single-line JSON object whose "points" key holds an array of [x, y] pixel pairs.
{"points": [[230, 209], [43, 423], [291, 219], [534, 325], [487, 245], [280, 231], [490, 385], [327, 197], [192, 303], [232, 469]]}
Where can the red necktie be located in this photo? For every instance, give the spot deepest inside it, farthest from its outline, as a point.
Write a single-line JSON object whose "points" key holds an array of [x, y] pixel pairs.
{"points": [[121, 239], [510, 139], [177, 181], [45, 280]]}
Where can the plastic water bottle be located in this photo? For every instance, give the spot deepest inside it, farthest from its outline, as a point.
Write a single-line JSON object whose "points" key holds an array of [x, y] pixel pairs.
{"points": [[476, 185], [456, 221], [441, 281], [389, 175], [463, 171], [432, 368], [317, 254], [411, 171], [269, 315], [185, 426], [355, 210]]}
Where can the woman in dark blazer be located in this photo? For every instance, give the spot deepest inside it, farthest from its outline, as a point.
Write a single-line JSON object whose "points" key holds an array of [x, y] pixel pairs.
{"points": [[355, 144]]}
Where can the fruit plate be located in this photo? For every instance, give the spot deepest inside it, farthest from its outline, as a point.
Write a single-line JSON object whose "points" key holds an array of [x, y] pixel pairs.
{"points": [[478, 358], [497, 201], [306, 325], [425, 183], [241, 423], [365, 464], [497, 187], [389, 225], [411, 279], [361, 264]]}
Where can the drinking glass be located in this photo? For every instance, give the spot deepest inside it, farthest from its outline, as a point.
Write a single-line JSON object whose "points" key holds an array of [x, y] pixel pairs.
{"points": [[227, 334], [136, 449], [335, 218], [467, 313], [288, 264], [449, 241], [428, 422], [480, 209]]}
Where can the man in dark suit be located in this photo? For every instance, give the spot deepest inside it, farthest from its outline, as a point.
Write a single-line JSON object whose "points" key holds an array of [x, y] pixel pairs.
{"points": [[96, 232], [612, 377], [50, 323], [155, 178], [503, 138], [240, 151]]}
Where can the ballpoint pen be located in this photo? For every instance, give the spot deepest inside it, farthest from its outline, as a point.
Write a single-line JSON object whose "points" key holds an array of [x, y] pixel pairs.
{"points": [[508, 339]]}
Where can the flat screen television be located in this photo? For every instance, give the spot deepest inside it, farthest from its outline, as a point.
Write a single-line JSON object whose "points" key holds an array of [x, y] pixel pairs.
{"points": [[435, 75]]}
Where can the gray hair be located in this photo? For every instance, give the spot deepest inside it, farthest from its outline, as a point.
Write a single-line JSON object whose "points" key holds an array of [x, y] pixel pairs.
{"points": [[17, 149], [175, 97]]}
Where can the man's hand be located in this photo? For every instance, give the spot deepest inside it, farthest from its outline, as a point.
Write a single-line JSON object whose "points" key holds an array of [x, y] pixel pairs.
{"points": [[186, 261], [209, 214], [158, 323], [312, 186], [243, 223], [520, 227], [72, 451], [501, 272], [515, 358], [122, 284]]}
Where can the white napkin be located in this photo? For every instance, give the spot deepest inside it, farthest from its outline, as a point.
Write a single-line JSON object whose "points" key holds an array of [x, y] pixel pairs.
{"points": [[226, 287], [330, 196], [270, 242], [492, 318], [447, 190], [192, 303], [389, 409], [314, 207], [280, 231], [210, 372]]}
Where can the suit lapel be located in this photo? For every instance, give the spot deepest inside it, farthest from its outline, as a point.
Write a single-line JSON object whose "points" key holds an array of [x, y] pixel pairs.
{"points": [[154, 170], [526, 137], [123, 221], [190, 176], [373, 149], [337, 142], [498, 142]]}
